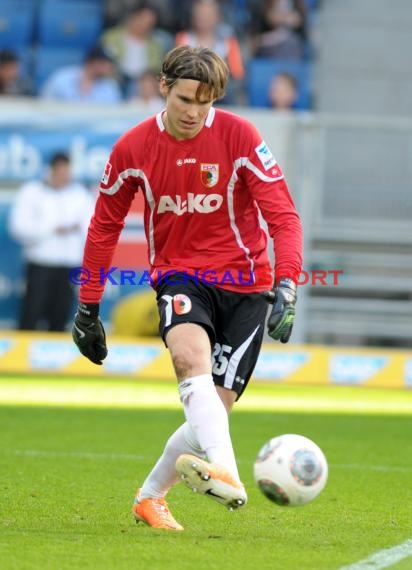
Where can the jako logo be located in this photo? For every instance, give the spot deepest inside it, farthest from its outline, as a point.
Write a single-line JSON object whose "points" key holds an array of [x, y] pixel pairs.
{"points": [[202, 203], [181, 161]]}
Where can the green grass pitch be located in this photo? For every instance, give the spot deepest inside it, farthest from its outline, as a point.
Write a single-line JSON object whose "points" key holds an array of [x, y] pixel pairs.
{"points": [[73, 451]]}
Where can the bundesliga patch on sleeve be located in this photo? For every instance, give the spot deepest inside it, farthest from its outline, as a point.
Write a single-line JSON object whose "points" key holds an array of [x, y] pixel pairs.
{"points": [[265, 156], [106, 173]]}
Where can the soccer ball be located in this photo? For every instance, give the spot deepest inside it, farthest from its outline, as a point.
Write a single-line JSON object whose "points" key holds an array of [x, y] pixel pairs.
{"points": [[291, 470]]}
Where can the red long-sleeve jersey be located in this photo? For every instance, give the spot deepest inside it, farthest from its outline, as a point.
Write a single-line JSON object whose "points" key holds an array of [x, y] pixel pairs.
{"points": [[201, 205]]}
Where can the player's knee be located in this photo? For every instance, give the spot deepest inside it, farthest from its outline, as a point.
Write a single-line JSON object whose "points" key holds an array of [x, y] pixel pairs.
{"points": [[190, 350], [190, 360], [184, 362]]}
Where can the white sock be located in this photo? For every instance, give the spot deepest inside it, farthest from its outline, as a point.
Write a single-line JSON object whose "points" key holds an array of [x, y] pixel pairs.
{"points": [[207, 416], [163, 475]]}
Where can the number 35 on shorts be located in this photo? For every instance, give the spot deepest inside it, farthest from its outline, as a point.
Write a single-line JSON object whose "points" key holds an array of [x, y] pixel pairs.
{"points": [[220, 358]]}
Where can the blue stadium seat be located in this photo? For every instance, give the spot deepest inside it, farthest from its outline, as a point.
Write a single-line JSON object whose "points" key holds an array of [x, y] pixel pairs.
{"points": [[77, 1], [312, 4], [25, 55], [261, 71], [50, 59], [68, 23], [16, 23]]}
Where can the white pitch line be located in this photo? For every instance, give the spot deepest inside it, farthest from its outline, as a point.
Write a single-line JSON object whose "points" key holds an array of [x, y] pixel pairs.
{"points": [[79, 454], [383, 558], [363, 466], [130, 457]]}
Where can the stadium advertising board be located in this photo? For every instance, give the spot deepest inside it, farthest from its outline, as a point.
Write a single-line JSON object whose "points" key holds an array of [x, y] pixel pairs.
{"points": [[146, 359]]}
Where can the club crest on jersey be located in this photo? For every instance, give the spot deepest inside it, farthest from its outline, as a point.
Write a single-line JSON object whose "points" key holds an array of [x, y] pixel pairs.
{"points": [[181, 304], [106, 173], [209, 174]]}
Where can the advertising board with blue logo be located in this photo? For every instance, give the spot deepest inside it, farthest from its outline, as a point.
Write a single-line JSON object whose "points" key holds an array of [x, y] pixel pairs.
{"points": [[145, 359], [25, 147]]}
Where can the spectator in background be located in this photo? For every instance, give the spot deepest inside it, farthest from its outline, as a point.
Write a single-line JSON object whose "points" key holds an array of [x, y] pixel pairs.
{"points": [[50, 219], [11, 81], [208, 30], [114, 11], [279, 29], [137, 44], [283, 92], [93, 82], [147, 93], [182, 10]]}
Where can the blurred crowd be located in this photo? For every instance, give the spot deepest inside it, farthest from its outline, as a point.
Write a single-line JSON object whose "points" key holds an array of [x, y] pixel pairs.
{"points": [[123, 64]]}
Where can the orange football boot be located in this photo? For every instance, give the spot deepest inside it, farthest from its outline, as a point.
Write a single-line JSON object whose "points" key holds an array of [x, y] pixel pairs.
{"points": [[211, 480], [155, 513]]}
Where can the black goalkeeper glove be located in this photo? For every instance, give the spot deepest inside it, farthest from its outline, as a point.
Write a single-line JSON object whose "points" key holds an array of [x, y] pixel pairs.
{"points": [[282, 315], [88, 333]]}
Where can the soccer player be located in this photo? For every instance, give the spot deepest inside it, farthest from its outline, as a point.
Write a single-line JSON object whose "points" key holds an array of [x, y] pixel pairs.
{"points": [[204, 173]]}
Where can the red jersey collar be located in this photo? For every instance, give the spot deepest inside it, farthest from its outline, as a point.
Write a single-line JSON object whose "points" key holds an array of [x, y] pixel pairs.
{"points": [[208, 123]]}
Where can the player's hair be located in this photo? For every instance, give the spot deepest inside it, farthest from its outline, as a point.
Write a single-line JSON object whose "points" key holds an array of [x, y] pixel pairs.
{"points": [[289, 77], [59, 157], [200, 64], [7, 56]]}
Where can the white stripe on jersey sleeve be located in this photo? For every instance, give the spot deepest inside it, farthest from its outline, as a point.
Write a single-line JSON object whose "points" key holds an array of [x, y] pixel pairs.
{"points": [[137, 173], [260, 174]]}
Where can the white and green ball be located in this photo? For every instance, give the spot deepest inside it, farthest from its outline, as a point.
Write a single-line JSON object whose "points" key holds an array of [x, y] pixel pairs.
{"points": [[291, 470]]}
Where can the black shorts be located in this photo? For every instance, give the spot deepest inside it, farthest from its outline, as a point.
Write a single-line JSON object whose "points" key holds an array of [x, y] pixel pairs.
{"points": [[234, 322]]}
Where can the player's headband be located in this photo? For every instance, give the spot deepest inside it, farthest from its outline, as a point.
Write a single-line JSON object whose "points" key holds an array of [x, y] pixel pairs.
{"points": [[173, 76]]}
